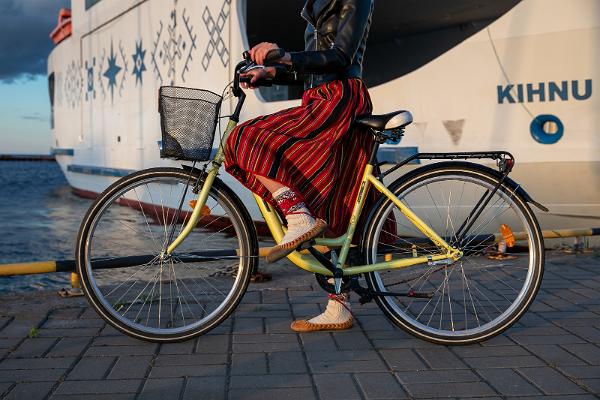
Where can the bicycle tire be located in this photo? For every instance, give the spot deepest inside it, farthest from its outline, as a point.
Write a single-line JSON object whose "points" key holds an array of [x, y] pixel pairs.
{"points": [[465, 172], [240, 223]]}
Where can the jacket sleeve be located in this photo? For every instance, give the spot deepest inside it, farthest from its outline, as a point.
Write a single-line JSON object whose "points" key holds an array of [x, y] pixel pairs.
{"points": [[353, 21], [287, 77]]}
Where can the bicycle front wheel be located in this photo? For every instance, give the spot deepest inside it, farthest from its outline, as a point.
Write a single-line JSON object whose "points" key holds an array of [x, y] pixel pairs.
{"points": [[484, 292], [165, 299]]}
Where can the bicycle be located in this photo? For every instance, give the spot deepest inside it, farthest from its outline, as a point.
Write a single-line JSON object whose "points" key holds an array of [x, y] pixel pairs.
{"points": [[191, 245]]}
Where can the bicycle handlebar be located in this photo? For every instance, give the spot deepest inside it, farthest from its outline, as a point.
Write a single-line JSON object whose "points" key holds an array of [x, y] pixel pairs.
{"points": [[246, 63]]}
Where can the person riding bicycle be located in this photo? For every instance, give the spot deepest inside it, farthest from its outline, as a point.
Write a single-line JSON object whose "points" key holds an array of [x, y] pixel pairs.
{"points": [[304, 159]]}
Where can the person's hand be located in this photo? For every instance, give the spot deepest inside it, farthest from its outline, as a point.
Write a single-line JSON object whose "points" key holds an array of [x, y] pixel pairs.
{"points": [[256, 74], [259, 52]]}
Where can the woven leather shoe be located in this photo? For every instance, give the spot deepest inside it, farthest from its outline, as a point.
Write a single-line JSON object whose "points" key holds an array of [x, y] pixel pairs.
{"points": [[282, 250]]}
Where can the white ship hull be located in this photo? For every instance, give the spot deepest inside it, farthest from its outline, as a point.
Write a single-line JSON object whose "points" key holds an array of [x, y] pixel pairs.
{"points": [[539, 61]]}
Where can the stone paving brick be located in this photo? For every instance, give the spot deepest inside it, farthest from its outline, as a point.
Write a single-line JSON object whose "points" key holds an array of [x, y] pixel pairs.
{"points": [[507, 382], [593, 385], [501, 340], [336, 387], [30, 391], [302, 393], [532, 339], [98, 387], [274, 296], [121, 350], [177, 371], [318, 341], [19, 328], [269, 381], [119, 340], [90, 368], [212, 344], [345, 362], [129, 396], [73, 323], [248, 326], [490, 351], [190, 359], [69, 347], [62, 333], [4, 386], [251, 297], [249, 364], [266, 347], [66, 313], [403, 360], [160, 389], [550, 381], [31, 375], [286, 363], [554, 355], [453, 389], [581, 371], [380, 386], [278, 325], [130, 367], [589, 333], [89, 313], [503, 362], [303, 311], [432, 376], [352, 341], [205, 388], [8, 343], [186, 347], [441, 358], [36, 363], [587, 352], [538, 331], [37, 347], [375, 323]]}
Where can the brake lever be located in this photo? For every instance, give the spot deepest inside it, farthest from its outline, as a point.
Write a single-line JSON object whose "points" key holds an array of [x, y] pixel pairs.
{"points": [[251, 67]]}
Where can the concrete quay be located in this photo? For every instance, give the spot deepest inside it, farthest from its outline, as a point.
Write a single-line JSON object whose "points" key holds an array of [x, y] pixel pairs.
{"points": [[553, 352]]}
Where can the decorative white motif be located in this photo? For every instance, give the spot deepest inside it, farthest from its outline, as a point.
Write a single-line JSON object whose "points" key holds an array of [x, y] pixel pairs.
{"points": [[215, 34]]}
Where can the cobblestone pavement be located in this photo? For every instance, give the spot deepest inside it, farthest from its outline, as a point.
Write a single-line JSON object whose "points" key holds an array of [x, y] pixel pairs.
{"points": [[553, 352]]}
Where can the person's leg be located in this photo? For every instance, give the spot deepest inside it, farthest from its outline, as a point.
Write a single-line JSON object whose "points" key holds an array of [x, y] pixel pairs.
{"points": [[301, 224], [337, 316]]}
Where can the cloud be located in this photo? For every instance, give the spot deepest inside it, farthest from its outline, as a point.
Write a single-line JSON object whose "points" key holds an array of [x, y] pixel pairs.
{"points": [[24, 42]]}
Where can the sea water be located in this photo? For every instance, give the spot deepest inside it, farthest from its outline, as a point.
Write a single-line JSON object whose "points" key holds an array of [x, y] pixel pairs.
{"points": [[39, 219]]}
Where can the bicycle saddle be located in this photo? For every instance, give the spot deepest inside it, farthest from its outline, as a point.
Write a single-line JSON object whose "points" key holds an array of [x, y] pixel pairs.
{"points": [[390, 121]]}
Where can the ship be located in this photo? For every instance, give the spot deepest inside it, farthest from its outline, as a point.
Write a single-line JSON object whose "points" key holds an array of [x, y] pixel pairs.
{"points": [[477, 75]]}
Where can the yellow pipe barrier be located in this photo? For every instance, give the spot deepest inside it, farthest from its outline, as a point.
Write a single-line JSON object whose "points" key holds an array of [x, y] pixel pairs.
{"points": [[44, 267]]}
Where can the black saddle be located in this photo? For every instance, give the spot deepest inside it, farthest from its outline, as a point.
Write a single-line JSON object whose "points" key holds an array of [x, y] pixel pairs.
{"points": [[386, 122]]}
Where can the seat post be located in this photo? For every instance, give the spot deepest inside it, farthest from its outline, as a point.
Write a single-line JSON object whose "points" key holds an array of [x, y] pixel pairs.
{"points": [[373, 157]]}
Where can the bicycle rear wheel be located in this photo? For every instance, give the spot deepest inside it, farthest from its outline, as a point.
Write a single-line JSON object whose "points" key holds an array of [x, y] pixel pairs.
{"points": [[480, 295], [165, 299]]}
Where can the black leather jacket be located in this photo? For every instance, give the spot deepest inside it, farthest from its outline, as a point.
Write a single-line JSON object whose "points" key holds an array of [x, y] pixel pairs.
{"points": [[335, 42]]}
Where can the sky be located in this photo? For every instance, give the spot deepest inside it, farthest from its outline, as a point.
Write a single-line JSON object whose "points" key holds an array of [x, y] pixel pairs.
{"points": [[24, 48]]}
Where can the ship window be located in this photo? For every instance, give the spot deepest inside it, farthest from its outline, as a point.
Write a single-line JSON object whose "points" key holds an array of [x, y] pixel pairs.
{"points": [[51, 94], [405, 34], [90, 3]]}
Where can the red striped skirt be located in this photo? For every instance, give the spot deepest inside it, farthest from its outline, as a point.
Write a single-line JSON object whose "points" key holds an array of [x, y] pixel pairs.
{"points": [[310, 148]]}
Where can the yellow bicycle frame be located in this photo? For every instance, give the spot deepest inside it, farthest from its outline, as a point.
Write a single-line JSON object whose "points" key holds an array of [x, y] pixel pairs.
{"points": [[308, 262]]}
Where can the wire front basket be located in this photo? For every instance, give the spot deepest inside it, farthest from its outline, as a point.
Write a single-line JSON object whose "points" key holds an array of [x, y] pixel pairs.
{"points": [[188, 119]]}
